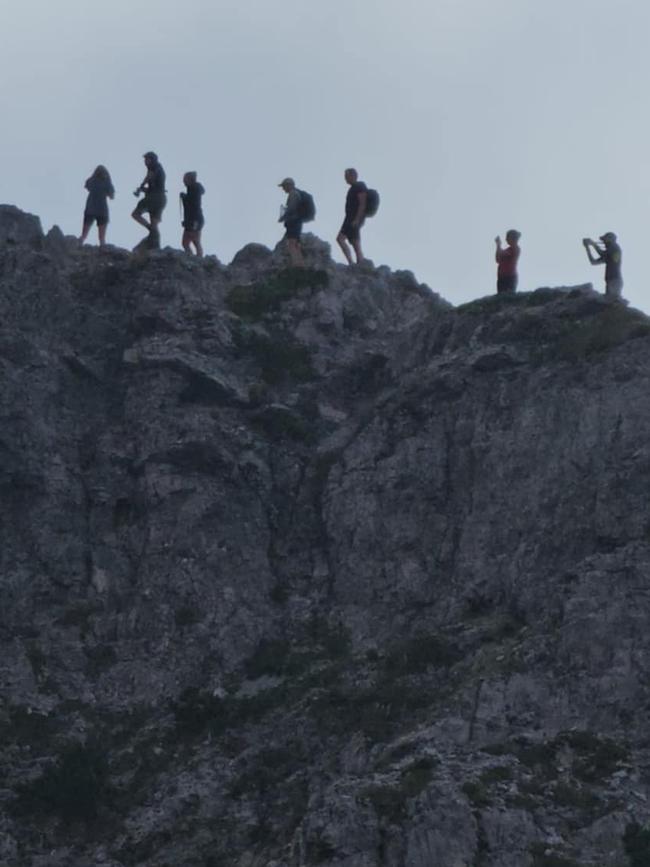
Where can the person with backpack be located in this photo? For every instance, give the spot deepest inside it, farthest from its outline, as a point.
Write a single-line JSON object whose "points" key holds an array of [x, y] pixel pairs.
{"points": [[291, 215], [192, 214], [611, 255], [355, 214], [154, 201], [506, 259], [100, 188]]}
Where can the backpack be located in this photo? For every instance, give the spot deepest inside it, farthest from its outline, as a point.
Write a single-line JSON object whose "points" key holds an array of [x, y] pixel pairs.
{"points": [[372, 203], [307, 210]]}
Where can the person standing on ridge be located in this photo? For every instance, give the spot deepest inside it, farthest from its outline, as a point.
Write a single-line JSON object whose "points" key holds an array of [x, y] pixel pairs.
{"points": [[355, 212], [611, 255], [192, 213], [154, 201], [100, 188], [290, 215], [507, 258]]}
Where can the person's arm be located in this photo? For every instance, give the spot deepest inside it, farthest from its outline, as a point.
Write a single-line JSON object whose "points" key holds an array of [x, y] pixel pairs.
{"points": [[498, 252], [361, 208], [588, 245], [292, 211], [111, 191]]}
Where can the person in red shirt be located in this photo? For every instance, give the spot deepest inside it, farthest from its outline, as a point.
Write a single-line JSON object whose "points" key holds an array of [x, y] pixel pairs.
{"points": [[507, 261]]}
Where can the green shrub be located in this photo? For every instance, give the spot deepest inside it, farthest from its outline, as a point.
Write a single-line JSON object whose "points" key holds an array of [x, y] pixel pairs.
{"points": [[279, 356], [74, 788], [636, 842], [256, 300], [416, 654]]}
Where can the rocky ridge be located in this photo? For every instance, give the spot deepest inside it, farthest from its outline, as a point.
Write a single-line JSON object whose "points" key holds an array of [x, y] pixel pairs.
{"points": [[308, 567]]}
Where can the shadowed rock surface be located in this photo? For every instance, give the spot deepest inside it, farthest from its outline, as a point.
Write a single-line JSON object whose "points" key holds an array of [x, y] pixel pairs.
{"points": [[307, 567]]}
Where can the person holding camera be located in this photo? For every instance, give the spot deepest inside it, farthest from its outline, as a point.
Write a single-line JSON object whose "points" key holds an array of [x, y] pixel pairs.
{"points": [[610, 255], [154, 201], [100, 189], [192, 213], [507, 258]]}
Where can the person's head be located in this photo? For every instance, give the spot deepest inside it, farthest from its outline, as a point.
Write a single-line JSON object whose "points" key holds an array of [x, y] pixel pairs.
{"points": [[512, 236], [150, 159], [351, 176], [608, 238], [102, 173], [288, 184], [189, 178]]}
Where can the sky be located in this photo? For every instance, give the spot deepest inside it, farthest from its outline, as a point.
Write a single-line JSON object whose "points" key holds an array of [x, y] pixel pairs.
{"points": [[469, 117]]}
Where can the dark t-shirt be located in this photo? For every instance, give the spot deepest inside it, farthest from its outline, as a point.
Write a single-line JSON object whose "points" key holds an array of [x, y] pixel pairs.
{"points": [[155, 180], [613, 259], [192, 212], [352, 199], [99, 190]]}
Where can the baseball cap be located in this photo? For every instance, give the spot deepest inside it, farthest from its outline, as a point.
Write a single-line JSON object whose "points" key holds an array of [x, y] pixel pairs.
{"points": [[288, 182], [608, 236]]}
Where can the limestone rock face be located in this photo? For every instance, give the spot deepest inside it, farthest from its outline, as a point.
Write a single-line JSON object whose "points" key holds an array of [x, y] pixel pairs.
{"points": [[306, 567]]}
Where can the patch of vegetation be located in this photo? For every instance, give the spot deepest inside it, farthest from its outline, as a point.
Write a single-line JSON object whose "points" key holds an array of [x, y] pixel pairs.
{"points": [[318, 850], [567, 795], [269, 768], [477, 793], [494, 303], [497, 774], [543, 857], [417, 776], [390, 800], [417, 654], [614, 325], [186, 615], [595, 758], [279, 355], [26, 727], [281, 423], [256, 300], [74, 788], [271, 657], [100, 659], [377, 710], [79, 614], [199, 712], [636, 842]]}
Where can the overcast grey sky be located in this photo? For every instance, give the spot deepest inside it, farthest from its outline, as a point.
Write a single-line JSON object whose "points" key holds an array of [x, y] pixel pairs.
{"points": [[469, 117]]}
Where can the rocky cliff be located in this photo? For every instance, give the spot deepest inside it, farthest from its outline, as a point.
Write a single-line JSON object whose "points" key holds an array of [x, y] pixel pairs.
{"points": [[308, 567]]}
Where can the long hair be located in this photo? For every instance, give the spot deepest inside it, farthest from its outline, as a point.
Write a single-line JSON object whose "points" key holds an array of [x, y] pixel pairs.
{"points": [[101, 173]]}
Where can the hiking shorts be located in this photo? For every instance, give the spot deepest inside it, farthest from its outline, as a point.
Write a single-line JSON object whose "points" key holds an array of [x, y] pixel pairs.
{"points": [[352, 233], [89, 219], [507, 285], [152, 204], [294, 229], [193, 225]]}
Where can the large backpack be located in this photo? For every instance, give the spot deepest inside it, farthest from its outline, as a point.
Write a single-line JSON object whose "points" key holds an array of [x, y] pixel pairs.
{"points": [[372, 203], [307, 210]]}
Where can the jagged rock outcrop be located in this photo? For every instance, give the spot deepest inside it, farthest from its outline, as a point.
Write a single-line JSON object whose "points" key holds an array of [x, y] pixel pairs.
{"points": [[307, 567]]}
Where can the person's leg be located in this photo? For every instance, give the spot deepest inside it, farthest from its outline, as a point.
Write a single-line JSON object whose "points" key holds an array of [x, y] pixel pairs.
{"points": [[85, 229], [154, 233], [137, 216], [197, 244], [101, 233], [343, 244], [186, 241], [357, 249]]}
